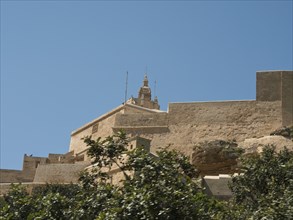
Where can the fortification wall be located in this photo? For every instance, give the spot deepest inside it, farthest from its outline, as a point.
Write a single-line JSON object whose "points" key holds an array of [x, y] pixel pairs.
{"points": [[127, 109], [59, 173], [101, 128], [191, 123], [55, 158], [186, 124], [287, 99], [61, 158], [141, 120], [268, 86], [226, 112], [10, 176], [277, 85], [30, 165]]}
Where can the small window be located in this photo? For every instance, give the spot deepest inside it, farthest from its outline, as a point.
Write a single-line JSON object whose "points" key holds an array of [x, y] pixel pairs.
{"points": [[37, 163], [95, 128]]}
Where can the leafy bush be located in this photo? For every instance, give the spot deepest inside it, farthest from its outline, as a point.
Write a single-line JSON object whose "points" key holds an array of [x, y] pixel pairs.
{"points": [[161, 187], [264, 189]]}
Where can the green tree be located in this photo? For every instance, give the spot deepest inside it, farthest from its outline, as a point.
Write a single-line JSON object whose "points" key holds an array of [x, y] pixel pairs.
{"points": [[154, 187], [264, 189], [17, 204], [161, 187], [52, 201]]}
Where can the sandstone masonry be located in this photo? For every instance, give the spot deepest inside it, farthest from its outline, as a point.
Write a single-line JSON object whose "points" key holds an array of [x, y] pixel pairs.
{"points": [[182, 127], [186, 124]]}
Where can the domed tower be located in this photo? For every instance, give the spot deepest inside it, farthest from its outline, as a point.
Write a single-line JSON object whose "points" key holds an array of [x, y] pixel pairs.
{"points": [[145, 94], [144, 98]]}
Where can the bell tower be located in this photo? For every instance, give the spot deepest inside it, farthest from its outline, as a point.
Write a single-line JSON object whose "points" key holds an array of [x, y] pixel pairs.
{"points": [[144, 98], [145, 94]]}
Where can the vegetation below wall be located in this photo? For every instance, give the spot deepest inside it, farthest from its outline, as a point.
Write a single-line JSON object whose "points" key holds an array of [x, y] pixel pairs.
{"points": [[162, 187], [286, 132]]}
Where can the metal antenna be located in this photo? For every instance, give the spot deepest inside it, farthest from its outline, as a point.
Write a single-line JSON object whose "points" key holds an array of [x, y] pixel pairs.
{"points": [[126, 88], [155, 89]]}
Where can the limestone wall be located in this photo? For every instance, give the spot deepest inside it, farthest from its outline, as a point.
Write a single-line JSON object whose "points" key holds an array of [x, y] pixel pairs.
{"points": [[277, 85], [59, 173], [224, 113], [101, 128], [217, 186], [10, 176], [132, 110], [30, 165], [186, 124], [61, 158], [287, 99], [141, 120], [268, 86], [55, 158], [191, 123]]}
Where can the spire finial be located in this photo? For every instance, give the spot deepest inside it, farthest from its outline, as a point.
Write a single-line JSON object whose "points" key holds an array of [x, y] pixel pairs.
{"points": [[155, 89], [126, 85], [145, 80]]}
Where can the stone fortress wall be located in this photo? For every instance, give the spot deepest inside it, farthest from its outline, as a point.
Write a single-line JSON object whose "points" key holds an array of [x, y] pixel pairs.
{"points": [[27, 173], [59, 173], [186, 124], [273, 86], [182, 127], [198, 122], [32, 164]]}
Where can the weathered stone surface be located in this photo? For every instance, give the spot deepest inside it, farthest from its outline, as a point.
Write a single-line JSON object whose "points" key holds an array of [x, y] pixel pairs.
{"points": [[256, 145], [286, 132], [31, 164], [218, 156], [217, 186], [182, 127], [10, 176], [187, 123], [59, 173], [215, 157]]}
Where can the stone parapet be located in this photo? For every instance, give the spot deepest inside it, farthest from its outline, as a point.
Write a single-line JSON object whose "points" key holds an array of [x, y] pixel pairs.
{"points": [[59, 173]]}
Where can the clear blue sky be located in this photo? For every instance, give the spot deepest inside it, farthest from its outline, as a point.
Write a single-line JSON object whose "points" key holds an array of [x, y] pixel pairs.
{"points": [[63, 63]]}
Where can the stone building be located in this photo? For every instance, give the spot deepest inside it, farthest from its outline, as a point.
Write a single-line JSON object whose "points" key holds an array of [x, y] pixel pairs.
{"points": [[186, 124], [181, 127]]}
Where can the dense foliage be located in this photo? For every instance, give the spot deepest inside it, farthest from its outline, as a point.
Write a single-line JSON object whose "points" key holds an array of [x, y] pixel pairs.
{"points": [[164, 186], [265, 187]]}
